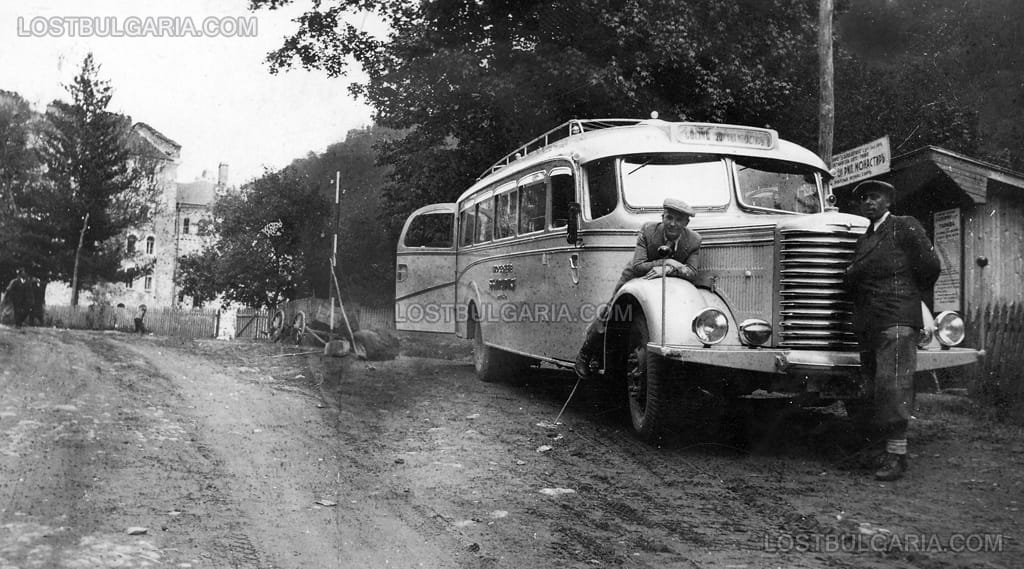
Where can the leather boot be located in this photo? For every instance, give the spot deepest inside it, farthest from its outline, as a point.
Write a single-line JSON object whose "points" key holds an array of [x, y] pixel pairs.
{"points": [[893, 467]]}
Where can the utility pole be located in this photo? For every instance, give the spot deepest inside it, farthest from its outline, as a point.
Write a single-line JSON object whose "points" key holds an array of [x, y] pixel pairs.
{"points": [[334, 244], [827, 103]]}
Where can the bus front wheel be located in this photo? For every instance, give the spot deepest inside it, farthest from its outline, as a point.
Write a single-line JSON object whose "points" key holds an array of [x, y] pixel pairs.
{"points": [[648, 383]]}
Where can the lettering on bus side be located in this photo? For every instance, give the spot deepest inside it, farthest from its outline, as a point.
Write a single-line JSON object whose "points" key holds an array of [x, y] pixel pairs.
{"points": [[502, 284]]}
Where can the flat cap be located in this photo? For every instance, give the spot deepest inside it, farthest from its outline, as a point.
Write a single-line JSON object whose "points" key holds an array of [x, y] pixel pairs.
{"points": [[873, 185], [676, 204]]}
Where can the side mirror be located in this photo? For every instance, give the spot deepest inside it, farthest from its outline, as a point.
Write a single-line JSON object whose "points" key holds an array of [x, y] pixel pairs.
{"points": [[573, 232]]}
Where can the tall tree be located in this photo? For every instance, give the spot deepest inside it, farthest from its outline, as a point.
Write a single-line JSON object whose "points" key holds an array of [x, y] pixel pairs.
{"points": [[96, 186], [19, 175]]}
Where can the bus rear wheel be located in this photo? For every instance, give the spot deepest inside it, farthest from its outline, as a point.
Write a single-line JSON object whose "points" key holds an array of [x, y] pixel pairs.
{"points": [[491, 364], [648, 383]]}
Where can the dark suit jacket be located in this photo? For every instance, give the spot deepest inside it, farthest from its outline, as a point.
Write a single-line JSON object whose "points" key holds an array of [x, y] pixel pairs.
{"points": [[645, 255], [19, 294], [891, 270]]}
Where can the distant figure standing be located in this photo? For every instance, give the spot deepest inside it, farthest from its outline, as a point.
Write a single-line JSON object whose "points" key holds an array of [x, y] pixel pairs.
{"points": [[140, 315], [19, 296], [38, 302]]}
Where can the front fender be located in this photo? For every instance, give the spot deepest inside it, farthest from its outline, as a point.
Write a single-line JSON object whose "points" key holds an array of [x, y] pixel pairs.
{"points": [[683, 301]]}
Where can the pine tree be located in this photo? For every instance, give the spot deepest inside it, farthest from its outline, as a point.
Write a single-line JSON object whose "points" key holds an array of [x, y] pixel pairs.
{"points": [[96, 186]]}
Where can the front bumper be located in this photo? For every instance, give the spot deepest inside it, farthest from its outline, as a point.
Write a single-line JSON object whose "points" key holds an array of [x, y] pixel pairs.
{"points": [[798, 362]]}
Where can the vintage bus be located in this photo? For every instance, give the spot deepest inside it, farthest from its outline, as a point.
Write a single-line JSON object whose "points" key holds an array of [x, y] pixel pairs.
{"points": [[523, 260]]}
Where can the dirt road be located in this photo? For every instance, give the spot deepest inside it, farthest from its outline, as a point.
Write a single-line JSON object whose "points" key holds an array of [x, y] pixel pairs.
{"points": [[127, 451]]}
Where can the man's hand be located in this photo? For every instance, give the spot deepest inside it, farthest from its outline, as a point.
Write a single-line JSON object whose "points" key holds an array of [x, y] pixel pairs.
{"points": [[671, 268]]}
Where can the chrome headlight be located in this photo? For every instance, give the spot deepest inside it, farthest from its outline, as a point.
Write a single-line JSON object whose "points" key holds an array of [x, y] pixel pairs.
{"points": [[710, 326], [949, 328], [755, 332]]}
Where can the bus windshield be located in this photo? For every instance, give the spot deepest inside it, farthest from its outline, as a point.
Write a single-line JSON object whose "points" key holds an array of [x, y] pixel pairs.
{"points": [[699, 180], [777, 186]]}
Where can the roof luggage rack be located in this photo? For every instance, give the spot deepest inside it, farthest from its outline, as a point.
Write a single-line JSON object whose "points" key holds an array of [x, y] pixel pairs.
{"points": [[570, 128]]}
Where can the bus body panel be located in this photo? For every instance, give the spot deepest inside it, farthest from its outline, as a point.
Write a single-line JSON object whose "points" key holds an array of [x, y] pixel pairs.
{"points": [[425, 274]]}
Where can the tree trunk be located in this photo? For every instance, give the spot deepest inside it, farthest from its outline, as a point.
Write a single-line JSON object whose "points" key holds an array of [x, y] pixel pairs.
{"points": [[78, 254]]}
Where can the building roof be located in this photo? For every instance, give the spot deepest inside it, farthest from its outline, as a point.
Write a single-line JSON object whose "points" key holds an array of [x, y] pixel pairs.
{"points": [[153, 143], [200, 192]]}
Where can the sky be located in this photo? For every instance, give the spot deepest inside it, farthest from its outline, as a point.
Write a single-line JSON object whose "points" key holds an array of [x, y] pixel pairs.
{"points": [[210, 91]]}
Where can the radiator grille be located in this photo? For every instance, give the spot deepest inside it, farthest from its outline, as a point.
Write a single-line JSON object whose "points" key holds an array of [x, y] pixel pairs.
{"points": [[815, 310]]}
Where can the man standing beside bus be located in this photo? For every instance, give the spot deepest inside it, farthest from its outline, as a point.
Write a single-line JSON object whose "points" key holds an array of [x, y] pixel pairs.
{"points": [[681, 262], [893, 267]]}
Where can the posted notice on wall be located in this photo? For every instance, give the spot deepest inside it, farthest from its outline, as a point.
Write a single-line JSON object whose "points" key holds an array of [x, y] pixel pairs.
{"points": [[949, 247]]}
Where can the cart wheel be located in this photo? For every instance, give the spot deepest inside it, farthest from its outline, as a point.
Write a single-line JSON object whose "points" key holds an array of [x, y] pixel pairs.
{"points": [[276, 325], [299, 326]]}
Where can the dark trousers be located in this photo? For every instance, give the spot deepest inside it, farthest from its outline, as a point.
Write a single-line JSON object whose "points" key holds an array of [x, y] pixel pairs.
{"points": [[21, 314], [888, 361], [139, 327]]}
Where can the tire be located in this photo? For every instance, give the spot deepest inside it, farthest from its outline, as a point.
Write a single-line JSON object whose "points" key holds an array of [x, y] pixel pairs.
{"points": [[489, 363], [648, 383], [276, 325], [299, 326]]}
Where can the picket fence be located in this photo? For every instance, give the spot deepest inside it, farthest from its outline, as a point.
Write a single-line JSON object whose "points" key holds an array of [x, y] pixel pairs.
{"points": [[1000, 376], [195, 323], [198, 323]]}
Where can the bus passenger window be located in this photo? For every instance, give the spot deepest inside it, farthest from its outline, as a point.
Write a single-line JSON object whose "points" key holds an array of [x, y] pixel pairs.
{"points": [[430, 230], [563, 190], [467, 224], [531, 207], [505, 220], [601, 187], [484, 221]]}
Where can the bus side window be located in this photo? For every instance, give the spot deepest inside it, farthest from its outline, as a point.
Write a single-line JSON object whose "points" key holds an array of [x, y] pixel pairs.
{"points": [[484, 221], [467, 225], [505, 217], [563, 190], [601, 187], [430, 230], [532, 198]]}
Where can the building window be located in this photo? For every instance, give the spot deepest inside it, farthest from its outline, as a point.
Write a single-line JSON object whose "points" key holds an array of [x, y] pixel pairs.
{"points": [[149, 245], [184, 226], [131, 244], [149, 282]]}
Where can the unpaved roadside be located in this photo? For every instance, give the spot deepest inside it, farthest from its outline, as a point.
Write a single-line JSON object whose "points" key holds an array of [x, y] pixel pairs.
{"points": [[222, 452]]}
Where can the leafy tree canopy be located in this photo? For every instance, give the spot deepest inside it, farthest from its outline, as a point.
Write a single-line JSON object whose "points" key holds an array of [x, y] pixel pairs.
{"points": [[267, 233]]}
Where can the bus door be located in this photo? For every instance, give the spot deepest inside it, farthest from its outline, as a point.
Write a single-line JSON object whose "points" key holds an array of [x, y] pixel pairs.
{"points": [[566, 281], [425, 271]]}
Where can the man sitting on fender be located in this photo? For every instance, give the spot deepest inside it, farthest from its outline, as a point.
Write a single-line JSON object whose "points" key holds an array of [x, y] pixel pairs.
{"points": [[683, 243]]}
